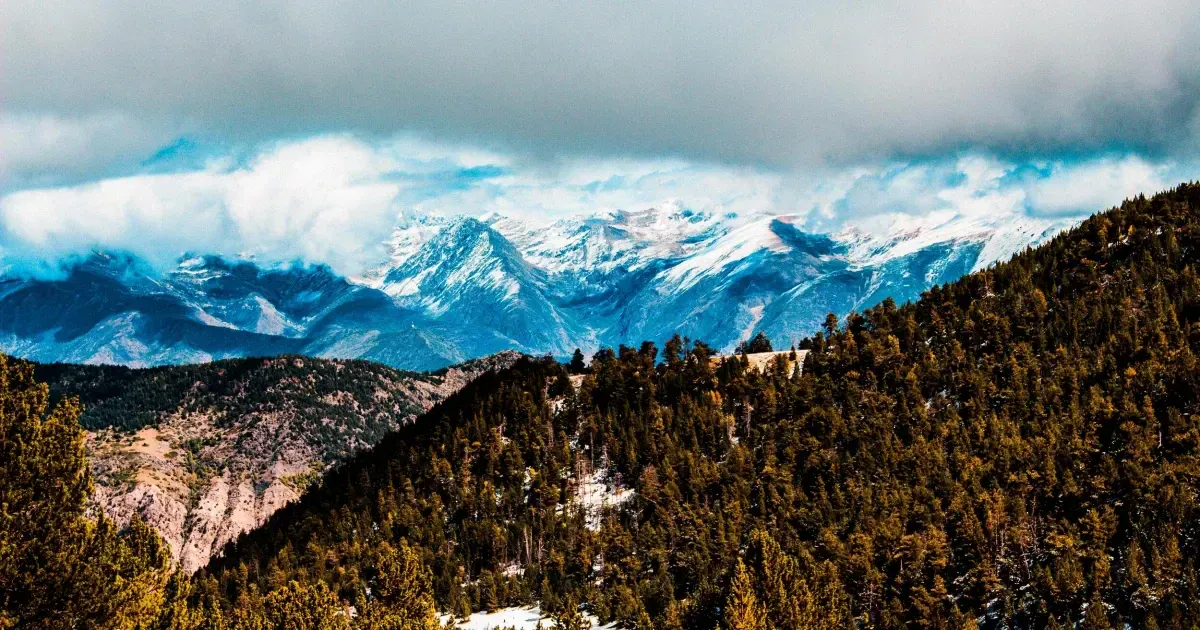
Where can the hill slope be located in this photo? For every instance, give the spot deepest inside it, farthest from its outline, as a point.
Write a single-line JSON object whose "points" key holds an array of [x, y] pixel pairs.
{"points": [[205, 452], [1020, 448]]}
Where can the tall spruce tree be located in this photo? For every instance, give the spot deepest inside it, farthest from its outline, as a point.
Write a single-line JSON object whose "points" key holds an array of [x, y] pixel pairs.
{"points": [[58, 568], [400, 597], [577, 365], [743, 610]]}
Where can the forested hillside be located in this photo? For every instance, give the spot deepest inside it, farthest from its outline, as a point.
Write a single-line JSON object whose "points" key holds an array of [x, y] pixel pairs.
{"points": [[204, 452], [61, 567], [1020, 448]]}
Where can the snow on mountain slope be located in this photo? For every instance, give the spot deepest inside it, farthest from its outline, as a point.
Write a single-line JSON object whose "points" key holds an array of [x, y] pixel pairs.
{"points": [[457, 288], [1000, 237], [720, 253], [614, 241], [470, 274]]}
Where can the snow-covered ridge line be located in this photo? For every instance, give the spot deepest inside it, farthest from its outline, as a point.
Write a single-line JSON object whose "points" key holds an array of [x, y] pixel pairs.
{"points": [[456, 288], [688, 244]]}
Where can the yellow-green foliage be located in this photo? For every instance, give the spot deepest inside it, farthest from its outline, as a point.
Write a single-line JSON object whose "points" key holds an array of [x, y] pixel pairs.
{"points": [[1021, 446], [61, 569], [301, 481]]}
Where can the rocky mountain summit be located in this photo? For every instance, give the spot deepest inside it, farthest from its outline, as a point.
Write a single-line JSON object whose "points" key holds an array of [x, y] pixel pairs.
{"points": [[203, 453]]}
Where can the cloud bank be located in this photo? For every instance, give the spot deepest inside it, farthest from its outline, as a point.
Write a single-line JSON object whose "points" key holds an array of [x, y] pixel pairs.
{"points": [[768, 83], [334, 199]]}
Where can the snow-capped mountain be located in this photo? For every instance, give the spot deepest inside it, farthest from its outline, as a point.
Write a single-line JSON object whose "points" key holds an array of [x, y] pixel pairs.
{"points": [[457, 288]]}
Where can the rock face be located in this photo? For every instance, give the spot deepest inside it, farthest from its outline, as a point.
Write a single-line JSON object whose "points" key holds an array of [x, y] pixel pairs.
{"points": [[760, 361], [208, 452]]}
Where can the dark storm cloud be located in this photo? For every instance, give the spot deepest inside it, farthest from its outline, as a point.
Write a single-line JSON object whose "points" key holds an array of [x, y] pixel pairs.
{"points": [[764, 82]]}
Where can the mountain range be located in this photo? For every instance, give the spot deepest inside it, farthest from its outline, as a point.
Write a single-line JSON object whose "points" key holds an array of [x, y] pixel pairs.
{"points": [[1016, 449], [456, 288]]}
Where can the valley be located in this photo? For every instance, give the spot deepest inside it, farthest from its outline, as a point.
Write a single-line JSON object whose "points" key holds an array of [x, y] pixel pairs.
{"points": [[599, 315]]}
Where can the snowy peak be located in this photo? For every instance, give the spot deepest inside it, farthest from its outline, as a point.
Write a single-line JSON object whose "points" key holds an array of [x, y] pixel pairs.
{"points": [[999, 238], [465, 256], [410, 236], [665, 223], [456, 288], [471, 274], [614, 241], [719, 254]]}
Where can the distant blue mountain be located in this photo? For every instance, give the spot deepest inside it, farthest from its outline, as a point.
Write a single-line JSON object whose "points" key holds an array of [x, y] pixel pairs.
{"points": [[458, 288]]}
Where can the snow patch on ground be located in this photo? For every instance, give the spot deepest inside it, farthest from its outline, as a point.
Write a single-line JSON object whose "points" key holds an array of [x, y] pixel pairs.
{"points": [[410, 286], [756, 314], [595, 494], [521, 618], [208, 320], [270, 320]]}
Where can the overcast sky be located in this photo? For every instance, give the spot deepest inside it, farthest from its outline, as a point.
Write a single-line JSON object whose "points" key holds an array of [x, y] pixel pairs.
{"points": [[94, 92]]}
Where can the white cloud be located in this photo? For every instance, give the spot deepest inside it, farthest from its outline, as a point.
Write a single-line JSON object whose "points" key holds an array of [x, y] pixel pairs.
{"points": [[335, 199], [322, 200], [584, 187], [1081, 188]]}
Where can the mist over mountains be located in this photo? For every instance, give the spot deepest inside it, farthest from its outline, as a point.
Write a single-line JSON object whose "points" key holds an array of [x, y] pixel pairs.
{"points": [[455, 288]]}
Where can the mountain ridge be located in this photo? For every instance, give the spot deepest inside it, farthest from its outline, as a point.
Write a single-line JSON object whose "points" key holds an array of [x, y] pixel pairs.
{"points": [[205, 452], [461, 287]]}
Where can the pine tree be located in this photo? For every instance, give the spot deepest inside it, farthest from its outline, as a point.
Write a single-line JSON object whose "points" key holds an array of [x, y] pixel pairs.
{"points": [[1096, 617], [760, 343], [742, 609], [176, 612], [59, 568], [672, 618], [577, 365], [570, 617], [401, 598], [301, 607]]}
